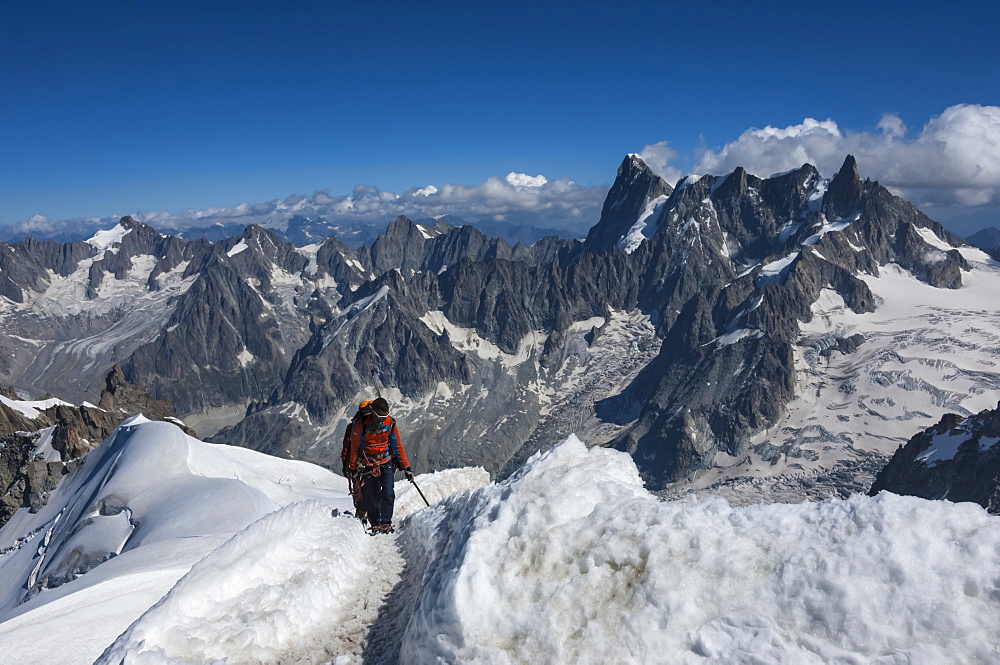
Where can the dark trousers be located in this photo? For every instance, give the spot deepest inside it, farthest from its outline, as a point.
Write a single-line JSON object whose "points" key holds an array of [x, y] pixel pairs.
{"points": [[379, 495]]}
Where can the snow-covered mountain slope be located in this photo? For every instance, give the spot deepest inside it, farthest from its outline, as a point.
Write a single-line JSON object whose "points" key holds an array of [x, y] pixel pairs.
{"points": [[921, 353], [568, 560], [145, 507], [42, 440]]}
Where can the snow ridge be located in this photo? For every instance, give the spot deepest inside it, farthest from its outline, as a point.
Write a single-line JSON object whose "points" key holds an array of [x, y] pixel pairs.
{"points": [[298, 592], [571, 560]]}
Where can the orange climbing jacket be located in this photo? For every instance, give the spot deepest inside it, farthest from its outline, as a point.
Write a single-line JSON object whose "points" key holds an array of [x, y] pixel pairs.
{"points": [[372, 440]]}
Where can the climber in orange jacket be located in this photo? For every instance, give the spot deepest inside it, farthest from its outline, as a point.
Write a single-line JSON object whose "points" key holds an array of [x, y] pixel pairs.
{"points": [[372, 448]]}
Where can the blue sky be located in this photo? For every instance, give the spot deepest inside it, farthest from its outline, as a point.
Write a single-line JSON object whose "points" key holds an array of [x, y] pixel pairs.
{"points": [[115, 107]]}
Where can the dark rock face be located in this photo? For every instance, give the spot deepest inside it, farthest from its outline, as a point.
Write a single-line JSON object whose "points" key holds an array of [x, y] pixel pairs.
{"points": [[23, 265], [728, 267], [125, 399], [843, 198], [958, 459], [195, 361], [635, 186], [481, 343]]}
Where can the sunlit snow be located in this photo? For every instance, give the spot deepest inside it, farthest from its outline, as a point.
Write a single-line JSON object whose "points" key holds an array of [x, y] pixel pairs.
{"points": [[776, 270], [238, 247], [107, 240], [639, 230], [30, 409], [227, 555]]}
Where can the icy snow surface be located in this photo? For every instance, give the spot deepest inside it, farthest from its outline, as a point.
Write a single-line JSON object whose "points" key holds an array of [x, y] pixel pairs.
{"points": [[572, 561], [639, 232], [311, 252], [944, 447], [237, 248], [106, 240], [569, 560], [468, 340], [31, 409], [776, 270], [737, 335]]}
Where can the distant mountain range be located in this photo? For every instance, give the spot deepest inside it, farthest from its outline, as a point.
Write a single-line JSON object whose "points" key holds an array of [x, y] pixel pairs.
{"points": [[988, 238], [299, 230], [723, 329]]}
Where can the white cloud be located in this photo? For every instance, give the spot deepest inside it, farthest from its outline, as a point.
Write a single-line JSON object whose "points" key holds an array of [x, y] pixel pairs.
{"points": [[657, 157], [525, 180], [39, 223], [953, 161], [892, 125]]}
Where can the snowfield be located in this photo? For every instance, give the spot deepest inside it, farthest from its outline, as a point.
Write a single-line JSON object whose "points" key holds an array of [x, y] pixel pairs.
{"points": [[232, 556]]}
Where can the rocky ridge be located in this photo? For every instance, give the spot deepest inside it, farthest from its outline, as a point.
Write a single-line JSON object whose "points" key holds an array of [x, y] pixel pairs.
{"points": [[42, 441], [724, 267], [674, 331], [211, 328], [957, 459]]}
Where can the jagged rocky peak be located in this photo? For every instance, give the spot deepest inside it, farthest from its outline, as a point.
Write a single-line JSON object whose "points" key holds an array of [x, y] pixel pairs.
{"points": [[957, 459], [630, 202], [256, 250], [734, 265], [843, 197], [115, 251], [130, 223], [401, 246]]}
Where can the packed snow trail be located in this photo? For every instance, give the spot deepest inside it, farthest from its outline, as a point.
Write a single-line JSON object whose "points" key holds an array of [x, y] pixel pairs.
{"points": [[297, 586], [301, 585]]}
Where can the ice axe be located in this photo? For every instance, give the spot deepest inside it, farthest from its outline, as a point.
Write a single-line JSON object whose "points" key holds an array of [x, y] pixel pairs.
{"points": [[410, 478]]}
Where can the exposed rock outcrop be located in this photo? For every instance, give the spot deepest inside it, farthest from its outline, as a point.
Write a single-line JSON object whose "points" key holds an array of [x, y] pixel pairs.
{"points": [[958, 459]]}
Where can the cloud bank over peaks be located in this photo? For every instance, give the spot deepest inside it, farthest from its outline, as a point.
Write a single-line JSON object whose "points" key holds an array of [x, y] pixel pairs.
{"points": [[954, 160], [518, 198]]}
